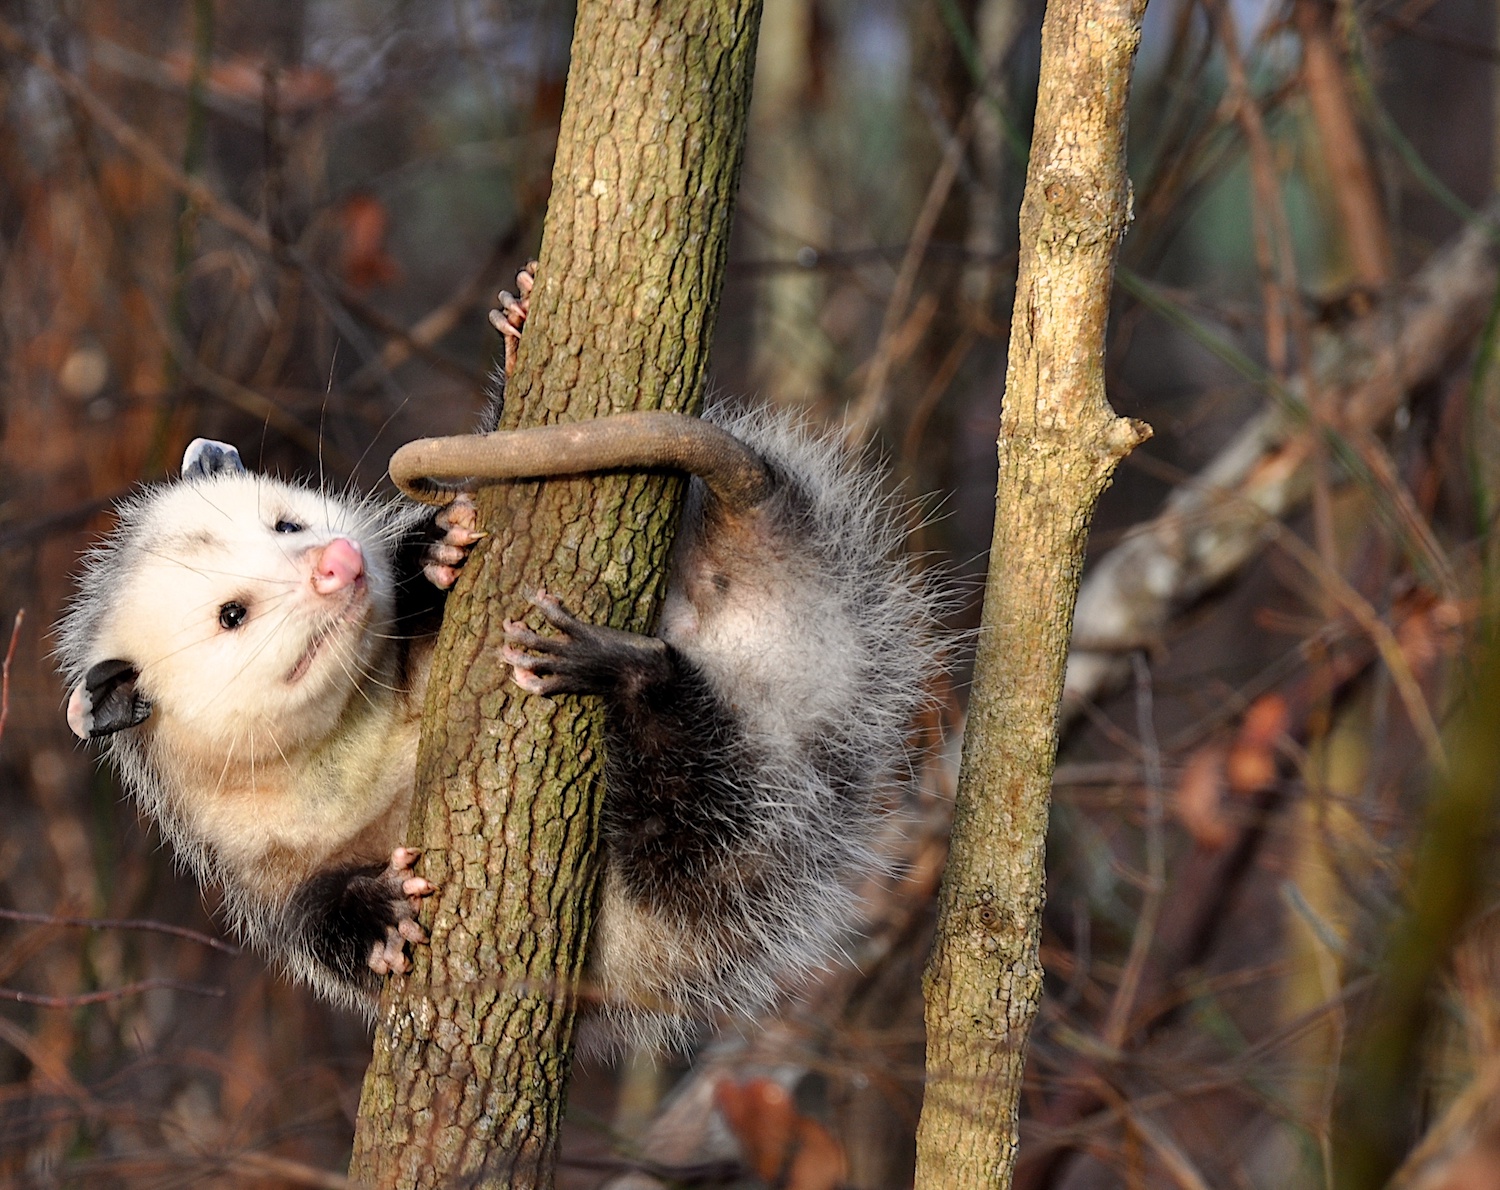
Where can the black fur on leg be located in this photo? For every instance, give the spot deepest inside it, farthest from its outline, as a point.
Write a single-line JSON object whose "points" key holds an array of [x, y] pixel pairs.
{"points": [[676, 821], [419, 604], [581, 658]]}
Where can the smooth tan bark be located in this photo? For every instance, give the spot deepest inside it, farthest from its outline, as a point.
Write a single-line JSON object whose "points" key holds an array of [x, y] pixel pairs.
{"points": [[470, 1065], [1059, 445]]}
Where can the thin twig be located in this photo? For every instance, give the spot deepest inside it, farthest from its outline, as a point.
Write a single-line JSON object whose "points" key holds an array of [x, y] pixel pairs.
{"points": [[1177, 1164], [1461, 45], [223, 212], [1398, 506], [866, 413], [1381, 636], [813, 260], [1277, 296], [1212, 526], [442, 318], [107, 994], [117, 923], [1154, 887], [937, 388], [1354, 187], [231, 392], [47, 1064], [135, 1167], [284, 1169]]}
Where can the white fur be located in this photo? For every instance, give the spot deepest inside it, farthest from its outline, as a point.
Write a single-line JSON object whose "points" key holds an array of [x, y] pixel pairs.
{"points": [[259, 774]]}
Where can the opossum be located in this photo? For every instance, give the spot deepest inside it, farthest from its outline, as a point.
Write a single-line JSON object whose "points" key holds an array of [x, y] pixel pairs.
{"points": [[254, 655]]}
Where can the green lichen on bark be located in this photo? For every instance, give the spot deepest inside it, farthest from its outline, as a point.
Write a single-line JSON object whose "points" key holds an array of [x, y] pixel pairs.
{"points": [[469, 1071]]}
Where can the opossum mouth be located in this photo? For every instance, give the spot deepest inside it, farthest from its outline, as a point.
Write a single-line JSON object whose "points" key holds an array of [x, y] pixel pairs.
{"points": [[356, 608]]}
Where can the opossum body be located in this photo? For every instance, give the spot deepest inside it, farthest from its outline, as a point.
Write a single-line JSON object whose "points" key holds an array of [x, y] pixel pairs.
{"points": [[254, 654]]}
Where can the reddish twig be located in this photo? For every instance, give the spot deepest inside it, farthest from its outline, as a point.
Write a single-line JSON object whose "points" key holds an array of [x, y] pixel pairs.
{"points": [[117, 923], [1274, 256], [10, 653], [1354, 185], [866, 413]]}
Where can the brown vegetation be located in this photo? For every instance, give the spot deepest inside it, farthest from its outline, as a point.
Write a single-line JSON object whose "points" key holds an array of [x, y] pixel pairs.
{"points": [[282, 224]]}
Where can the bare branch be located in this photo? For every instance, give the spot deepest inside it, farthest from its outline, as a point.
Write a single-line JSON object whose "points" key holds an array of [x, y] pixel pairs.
{"points": [[119, 923]]}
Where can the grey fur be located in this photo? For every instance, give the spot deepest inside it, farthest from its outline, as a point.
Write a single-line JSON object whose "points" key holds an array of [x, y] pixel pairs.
{"points": [[829, 703]]}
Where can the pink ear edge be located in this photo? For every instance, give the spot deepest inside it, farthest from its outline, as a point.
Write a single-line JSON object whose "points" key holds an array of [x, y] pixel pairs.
{"points": [[80, 712]]}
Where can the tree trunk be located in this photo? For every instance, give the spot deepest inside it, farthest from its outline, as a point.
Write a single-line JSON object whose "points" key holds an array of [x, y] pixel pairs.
{"points": [[1059, 445], [471, 1056]]}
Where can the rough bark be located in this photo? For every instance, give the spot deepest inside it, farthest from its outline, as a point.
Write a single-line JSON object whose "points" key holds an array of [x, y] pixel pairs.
{"points": [[1059, 445], [470, 1065]]}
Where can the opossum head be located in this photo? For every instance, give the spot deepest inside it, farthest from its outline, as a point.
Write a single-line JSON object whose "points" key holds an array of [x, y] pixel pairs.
{"points": [[228, 606]]}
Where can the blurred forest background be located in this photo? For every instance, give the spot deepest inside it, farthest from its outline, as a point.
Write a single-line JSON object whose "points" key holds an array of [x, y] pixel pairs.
{"points": [[282, 225]]}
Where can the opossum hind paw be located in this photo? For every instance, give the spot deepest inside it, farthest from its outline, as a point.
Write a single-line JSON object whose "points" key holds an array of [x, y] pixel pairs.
{"points": [[579, 658]]}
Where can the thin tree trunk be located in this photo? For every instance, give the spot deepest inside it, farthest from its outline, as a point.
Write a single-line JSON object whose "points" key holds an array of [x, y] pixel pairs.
{"points": [[1355, 191], [787, 208], [470, 1064], [1059, 445]]}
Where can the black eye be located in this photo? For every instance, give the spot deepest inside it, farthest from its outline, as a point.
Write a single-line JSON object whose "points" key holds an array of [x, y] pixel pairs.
{"points": [[232, 615], [289, 527]]}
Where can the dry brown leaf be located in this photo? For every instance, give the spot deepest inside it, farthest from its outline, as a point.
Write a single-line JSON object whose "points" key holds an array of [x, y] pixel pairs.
{"points": [[364, 223], [782, 1146], [1252, 761], [1199, 799]]}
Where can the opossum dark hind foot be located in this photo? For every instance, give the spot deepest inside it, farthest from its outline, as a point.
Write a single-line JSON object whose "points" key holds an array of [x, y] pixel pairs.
{"points": [[360, 919], [459, 524], [581, 658]]}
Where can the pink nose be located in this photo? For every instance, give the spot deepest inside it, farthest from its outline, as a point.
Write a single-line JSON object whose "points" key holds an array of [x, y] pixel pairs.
{"points": [[337, 565]]}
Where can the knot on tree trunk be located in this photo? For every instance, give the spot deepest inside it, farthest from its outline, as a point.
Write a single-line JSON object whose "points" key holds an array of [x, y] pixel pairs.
{"points": [[1081, 206]]}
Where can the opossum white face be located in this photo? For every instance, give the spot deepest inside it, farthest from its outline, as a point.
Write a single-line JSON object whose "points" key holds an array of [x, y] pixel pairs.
{"points": [[245, 614]]}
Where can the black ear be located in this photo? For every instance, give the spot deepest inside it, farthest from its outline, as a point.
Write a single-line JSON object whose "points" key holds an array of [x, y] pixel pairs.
{"points": [[106, 701], [205, 457]]}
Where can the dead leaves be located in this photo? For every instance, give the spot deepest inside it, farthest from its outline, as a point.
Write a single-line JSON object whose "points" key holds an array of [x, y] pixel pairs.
{"points": [[780, 1145]]}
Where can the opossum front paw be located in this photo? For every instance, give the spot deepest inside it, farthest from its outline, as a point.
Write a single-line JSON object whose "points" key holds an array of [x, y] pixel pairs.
{"points": [[443, 558], [580, 659], [404, 891], [510, 317], [357, 920]]}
